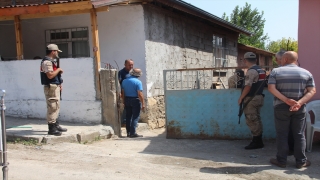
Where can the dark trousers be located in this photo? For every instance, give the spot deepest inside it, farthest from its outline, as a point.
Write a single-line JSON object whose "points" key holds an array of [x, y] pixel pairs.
{"points": [[133, 107], [294, 121], [123, 116]]}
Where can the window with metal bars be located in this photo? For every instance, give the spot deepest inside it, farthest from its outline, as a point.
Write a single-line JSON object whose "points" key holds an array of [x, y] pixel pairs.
{"points": [[219, 51], [73, 42]]}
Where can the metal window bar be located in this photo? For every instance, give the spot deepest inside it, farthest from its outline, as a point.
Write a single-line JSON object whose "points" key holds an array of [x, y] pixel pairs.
{"points": [[200, 78], [69, 36]]}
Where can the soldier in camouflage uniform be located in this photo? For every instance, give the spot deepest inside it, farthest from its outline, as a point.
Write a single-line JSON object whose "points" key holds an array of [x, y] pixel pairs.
{"points": [[252, 98]]}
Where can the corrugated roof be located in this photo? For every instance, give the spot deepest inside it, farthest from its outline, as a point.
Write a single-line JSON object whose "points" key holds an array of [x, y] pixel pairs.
{"points": [[21, 3], [251, 48]]}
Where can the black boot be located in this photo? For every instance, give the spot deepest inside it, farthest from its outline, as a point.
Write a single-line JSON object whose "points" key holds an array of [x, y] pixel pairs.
{"points": [[59, 128], [53, 130], [256, 143]]}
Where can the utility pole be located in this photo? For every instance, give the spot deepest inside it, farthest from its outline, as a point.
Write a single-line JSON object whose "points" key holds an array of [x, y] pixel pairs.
{"points": [[4, 162]]}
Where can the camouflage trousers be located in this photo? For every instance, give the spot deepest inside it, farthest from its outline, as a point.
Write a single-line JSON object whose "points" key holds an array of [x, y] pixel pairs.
{"points": [[252, 113], [52, 94]]}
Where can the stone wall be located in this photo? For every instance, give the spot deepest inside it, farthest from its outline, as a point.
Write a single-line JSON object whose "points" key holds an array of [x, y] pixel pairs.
{"points": [[175, 40]]}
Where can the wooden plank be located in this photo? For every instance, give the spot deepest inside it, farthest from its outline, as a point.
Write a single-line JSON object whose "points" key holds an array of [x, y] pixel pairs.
{"points": [[6, 18], [103, 8], [24, 10], [74, 6], [19, 43], [46, 15], [96, 51]]}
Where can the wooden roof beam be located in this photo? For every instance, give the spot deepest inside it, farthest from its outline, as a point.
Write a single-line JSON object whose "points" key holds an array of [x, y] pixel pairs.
{"points": [[41, 9], [24, 10], [46, 15], [74, 6]]}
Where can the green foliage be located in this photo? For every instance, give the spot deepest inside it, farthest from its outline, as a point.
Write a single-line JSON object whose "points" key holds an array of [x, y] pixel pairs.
{"points": [[26, 142], [251, 20], [288, 44]]}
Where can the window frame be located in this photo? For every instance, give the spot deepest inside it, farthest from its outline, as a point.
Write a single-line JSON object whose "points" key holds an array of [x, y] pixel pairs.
{"points": [[70, 40]]}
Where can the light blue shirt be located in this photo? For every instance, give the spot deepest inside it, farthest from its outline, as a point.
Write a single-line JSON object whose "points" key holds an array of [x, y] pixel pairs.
{"points": [[131, 86]]}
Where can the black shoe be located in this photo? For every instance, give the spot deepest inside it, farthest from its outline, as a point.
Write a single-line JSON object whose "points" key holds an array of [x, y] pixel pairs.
{"points": [[128, 134], [135, 136], [59, 128], [256, 143], [53, 130]]}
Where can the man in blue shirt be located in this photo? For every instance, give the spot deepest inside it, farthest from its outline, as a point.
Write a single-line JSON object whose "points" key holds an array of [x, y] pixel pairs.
{"points": [[122, 75], [131, 93]]}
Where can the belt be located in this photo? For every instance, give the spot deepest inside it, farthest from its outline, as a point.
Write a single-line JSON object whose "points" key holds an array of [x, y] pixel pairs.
{"points": [[52, 84], [131, 97]]}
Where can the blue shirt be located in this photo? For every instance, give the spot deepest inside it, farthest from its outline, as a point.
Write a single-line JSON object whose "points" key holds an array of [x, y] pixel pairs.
{"points": [[131, 86], [122, 75]]}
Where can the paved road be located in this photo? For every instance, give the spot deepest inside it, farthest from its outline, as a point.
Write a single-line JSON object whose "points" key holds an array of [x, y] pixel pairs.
{"points": [[152, 157]]}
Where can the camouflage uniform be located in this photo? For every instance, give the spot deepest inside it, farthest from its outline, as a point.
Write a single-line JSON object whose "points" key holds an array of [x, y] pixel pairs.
{"points": [[252, 110], [232, 81], [52, 94]]}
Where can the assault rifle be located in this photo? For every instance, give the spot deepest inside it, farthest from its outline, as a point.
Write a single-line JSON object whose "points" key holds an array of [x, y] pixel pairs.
{"points": [[59, 75], [241, 107], [244, 105]]}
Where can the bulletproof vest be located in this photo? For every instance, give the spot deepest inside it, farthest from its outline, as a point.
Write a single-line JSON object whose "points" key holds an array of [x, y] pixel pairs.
{"points": [[257, 87], [44, 78]]}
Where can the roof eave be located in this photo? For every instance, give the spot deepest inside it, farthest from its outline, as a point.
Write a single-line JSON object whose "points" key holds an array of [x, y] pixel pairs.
{"points": [[190, 9]]}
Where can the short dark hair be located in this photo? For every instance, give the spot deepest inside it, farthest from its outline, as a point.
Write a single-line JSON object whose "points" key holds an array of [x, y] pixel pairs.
{"points": [[251, 60]]}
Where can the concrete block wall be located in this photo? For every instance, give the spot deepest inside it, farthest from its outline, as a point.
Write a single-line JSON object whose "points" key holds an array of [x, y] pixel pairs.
{"points": [[175, 41]]}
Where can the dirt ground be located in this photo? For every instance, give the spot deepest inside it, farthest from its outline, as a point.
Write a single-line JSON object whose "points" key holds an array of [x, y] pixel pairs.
{"points": [[153, 157]]}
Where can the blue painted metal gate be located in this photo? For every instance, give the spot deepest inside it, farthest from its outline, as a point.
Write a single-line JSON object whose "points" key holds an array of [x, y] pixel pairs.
{"points": [[209, 113]]}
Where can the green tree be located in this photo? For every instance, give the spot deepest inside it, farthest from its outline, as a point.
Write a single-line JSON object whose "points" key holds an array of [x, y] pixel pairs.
{"points": [[288, 44], [251, 20]]}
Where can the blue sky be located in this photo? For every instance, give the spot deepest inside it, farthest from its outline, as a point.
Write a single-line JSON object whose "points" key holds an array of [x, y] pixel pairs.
{"points": [[281, 15]]}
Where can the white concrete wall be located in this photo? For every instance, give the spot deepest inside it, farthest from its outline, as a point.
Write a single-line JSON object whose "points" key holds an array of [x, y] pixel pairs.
{"points": [[122, 36], [25, 97]]}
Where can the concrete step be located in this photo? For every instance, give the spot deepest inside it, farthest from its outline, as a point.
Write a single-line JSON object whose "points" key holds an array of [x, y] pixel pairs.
{"points": [[140, 129], [37, 130]]}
